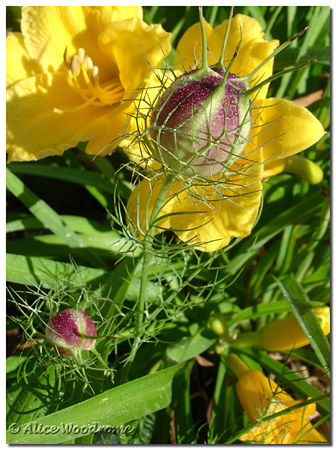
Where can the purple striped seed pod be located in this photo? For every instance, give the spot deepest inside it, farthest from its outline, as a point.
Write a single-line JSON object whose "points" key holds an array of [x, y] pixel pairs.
{"points": [[68, 330]]}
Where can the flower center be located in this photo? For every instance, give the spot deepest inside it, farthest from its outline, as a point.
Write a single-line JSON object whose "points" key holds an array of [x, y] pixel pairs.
{"points": [[83, 77]]}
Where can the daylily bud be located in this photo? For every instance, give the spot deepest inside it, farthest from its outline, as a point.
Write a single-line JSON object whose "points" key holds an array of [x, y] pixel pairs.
{"points": [[304, 168], [286, 334], [200, 120], [68, 331]]}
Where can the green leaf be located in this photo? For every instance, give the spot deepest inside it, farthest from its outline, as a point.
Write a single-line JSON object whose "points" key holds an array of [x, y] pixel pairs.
{"points": [[39, 271], [262, 309], [84, 440], [50, 219], [290, 57], [291, 216], [255, 11], [108, 244], [305, 315], [182, 408], [78, 176], [219, 416], [264, 265], [111, 408], [162, 427], [120, 279], [189, 347], [320, 21], [13, 362], [77, 223], [23, 403]]}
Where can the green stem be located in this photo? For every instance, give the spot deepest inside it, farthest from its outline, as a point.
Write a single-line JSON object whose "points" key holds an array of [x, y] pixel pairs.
{"points": [[246, 340], [146, 255], [139, 329], [221, 61], [204, 41]]}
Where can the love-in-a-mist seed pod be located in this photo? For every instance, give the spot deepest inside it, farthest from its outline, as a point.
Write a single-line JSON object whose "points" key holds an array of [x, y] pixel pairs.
{"points": [[201, 119], [69, 332]]}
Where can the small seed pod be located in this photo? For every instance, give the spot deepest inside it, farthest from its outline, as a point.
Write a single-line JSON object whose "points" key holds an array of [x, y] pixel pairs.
{"points": [[68, 331]]}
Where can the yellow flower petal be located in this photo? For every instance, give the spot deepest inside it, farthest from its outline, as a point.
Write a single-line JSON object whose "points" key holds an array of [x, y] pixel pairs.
{"points": [[307, 435], [272, 168], [254, 391], [48, 30], [135, 45], [34, 130], [116, 13], [323, 316], [189, 48], [288, 129], [210, 223], [113, 131], [18, 63], [141, 203], [282, 433]]}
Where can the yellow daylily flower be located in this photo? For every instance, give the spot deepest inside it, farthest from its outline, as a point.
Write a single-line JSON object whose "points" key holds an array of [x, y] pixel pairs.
{"points": [[261, 397], [72, 75], [209, 214]]}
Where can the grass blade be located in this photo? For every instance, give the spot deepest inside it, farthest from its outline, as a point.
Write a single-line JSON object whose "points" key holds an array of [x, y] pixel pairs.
{"points": [[50, 219], [42, 272], [304, 313]]}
